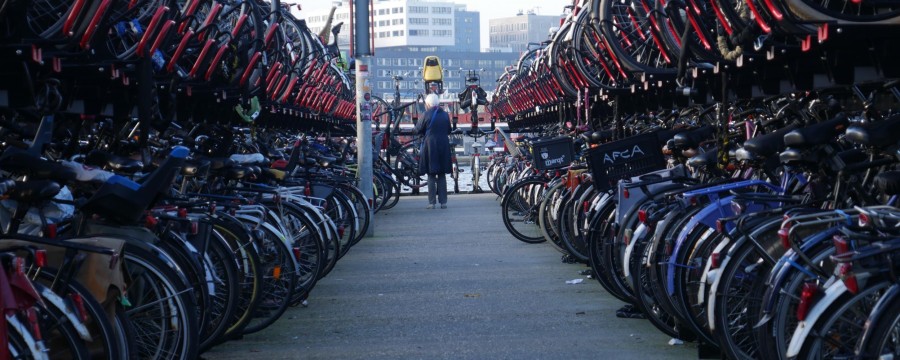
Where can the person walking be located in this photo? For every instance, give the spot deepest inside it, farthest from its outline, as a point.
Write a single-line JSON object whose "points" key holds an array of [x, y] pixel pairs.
{"points": [[434, 156]]}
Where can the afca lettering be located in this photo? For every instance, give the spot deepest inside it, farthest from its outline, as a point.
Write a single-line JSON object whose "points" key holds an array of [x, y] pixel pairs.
{"points": [[613, 156]]}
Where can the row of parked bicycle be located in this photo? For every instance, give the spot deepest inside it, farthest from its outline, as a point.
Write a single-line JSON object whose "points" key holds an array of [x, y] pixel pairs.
{"points": [[784, 251], [729, 169], [202, 249], [138, 221]]}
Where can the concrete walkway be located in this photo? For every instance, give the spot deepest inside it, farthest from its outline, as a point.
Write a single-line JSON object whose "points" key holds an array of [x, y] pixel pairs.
{"points": [[453, 284]]}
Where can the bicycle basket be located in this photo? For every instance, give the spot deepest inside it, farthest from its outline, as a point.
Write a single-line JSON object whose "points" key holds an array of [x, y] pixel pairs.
{"points": [[622, 159], [553, 153]]}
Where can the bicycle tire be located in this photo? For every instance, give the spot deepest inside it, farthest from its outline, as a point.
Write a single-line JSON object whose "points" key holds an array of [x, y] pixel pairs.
{"points": [[106, 338], [152, 276], [517, 204], [279, 278]]}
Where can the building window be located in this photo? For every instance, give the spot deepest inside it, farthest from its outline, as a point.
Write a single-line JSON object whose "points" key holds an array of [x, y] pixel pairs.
{"points": [[440, 21], [442, 33], [418, 9], [397, 10], [441, 10], [382, 11], [397, 22], [418, 21], [400, 33], [417, 32]]}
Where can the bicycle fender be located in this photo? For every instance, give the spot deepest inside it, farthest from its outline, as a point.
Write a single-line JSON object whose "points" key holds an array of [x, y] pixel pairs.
{"points": [[709, 275], [35, 346], [56, 301], [832, 293], [783, 269], [638, 233], [709, 214]]}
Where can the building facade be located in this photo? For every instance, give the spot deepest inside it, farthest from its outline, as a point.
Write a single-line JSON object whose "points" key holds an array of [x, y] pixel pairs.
{"points": [[406, 31], [399, 23], [516, 32]]}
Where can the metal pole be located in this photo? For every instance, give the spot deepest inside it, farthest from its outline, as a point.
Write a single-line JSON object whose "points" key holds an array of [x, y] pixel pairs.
{"points": [[363, 53]]}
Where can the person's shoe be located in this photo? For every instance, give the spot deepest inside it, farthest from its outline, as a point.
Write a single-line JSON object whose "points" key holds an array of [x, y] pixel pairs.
{"points": [[443, 206], [430, 206]]}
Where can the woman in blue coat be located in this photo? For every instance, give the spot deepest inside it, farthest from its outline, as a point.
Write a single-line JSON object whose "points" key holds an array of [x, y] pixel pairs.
{"points": [[434, 158]]}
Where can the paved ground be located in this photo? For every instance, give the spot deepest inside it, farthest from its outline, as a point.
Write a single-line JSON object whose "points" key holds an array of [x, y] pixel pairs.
{"points": [[453, 284]]}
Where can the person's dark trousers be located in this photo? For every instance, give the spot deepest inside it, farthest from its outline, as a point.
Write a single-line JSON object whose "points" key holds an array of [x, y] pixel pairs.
{"points": [[437, 183]]}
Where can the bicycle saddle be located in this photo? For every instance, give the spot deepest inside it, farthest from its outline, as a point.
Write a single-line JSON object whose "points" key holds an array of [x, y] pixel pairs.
{"points": [[817, 134], [34, 191], [234, 172], [217, 163], [705, 159], [693, 138], [601, 136], [115, 163], [765, 145], [888, 182], [880, 134]]}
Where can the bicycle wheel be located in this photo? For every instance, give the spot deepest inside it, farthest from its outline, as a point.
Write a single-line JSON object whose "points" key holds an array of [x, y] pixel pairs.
{"points": [[642, 283], [161, 307], [836, 336], [775, 336], [597, 237], [548, 213], [520, 210], [393, 189], [406, 164], [59, 334], [223, 284], [739, 296], [359, 201], [884, 340], [244, 251], [279, 278], [310, 249], [107, 338]]}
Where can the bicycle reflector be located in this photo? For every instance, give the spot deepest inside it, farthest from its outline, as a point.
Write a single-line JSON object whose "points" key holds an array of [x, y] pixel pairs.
{"points": [[841, 245], [785, 232], [864, 220], [715, 260], [50, 231], [40, 258], [642, 216], [297, 253], [625, 193], [807, 297], [79, 306], [720, 226], [845, 272]]}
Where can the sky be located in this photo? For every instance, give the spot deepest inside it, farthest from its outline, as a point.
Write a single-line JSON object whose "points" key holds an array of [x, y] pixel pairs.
{"points": [[489, 9]]}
